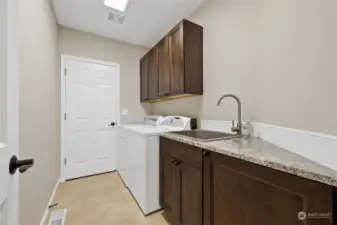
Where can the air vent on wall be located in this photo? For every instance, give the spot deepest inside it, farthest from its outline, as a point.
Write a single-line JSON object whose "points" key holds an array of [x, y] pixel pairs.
{"points": [[116, 17]]}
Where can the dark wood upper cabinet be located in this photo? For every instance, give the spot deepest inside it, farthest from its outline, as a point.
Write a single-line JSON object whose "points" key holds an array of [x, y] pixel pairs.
{"points": [[176, 43], [164, 80], [152, 73], [178, 64], [144, 79]]}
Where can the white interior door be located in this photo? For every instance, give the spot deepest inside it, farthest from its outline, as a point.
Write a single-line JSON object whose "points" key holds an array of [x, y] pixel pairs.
{"points": [[91, 93], [7, 184], [9, 113]]}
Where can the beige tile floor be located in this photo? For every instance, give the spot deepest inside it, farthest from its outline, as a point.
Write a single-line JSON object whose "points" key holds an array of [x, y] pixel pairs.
{"points": [[101, 200]]}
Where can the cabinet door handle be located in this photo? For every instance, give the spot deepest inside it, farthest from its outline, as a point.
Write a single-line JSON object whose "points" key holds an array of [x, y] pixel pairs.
{"points": [[176, 162], [206, 153]]}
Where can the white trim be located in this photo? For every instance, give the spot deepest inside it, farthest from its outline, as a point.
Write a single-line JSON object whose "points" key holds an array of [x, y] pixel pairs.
{"points": [[317, 147], [2, 69], [46, 211], [64, 58], [12, 96]]}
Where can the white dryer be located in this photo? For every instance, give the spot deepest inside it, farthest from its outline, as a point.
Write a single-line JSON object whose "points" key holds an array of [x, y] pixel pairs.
{"points": [[138, 157]]}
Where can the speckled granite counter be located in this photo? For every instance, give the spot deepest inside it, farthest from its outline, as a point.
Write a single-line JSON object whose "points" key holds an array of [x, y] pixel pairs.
{"points": [[263, 153]]}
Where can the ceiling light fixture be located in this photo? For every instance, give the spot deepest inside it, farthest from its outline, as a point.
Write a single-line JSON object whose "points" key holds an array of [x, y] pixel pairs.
{"points": [[119, 5]]}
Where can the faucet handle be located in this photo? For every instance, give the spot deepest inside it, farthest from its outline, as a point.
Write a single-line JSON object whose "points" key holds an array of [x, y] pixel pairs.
{"points": [[235, 128]]}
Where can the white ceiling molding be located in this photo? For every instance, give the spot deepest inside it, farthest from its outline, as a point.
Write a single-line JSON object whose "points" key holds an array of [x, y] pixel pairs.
{"points": [[146, 21]]}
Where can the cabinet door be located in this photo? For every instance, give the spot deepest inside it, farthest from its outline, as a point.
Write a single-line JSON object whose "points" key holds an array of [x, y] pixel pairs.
{"points": [[164, 79], [153, 73], [191, 195], [177, 60], [144, 79], [241, 193], [170, 188]]}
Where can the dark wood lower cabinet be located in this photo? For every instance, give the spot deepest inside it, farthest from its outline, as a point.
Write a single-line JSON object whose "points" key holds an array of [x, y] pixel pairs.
{"points": [[191, 195], [182, 192], [181, 189], [171, 196], [242, 193], [213, 189]]}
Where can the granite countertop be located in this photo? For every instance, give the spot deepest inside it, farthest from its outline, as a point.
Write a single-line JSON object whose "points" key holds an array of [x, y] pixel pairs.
{"points": [[263, 153]]}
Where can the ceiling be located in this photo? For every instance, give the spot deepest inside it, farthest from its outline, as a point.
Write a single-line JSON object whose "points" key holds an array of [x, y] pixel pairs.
{"points": [[146, 22]]}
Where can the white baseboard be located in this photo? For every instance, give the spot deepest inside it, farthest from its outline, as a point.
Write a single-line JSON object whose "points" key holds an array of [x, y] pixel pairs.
{"points": [[45, 215], [317, 147]]}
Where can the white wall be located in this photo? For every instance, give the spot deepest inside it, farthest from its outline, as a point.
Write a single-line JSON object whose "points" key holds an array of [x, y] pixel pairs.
{"points": [[278, 56], [296, 69], [90, 46], [39, 106]]}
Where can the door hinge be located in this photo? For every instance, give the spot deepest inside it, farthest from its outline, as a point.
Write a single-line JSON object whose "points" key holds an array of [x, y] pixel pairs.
{"points": [[65, 72], [65, 116], [65, 161]]}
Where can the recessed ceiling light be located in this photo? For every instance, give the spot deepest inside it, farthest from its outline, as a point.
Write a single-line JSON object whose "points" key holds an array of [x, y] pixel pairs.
{"points": [[120, 5]]}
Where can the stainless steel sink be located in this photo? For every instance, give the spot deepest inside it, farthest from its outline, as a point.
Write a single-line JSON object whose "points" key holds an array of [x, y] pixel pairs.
{"points": [[207, 135]]}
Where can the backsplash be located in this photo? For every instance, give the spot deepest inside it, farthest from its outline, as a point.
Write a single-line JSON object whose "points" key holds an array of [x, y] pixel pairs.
{"points": [[317, 147]]}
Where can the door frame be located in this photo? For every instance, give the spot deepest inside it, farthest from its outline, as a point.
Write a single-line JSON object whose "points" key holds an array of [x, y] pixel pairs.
{"points": [[64, 58], [3, 61], [10, 94]]}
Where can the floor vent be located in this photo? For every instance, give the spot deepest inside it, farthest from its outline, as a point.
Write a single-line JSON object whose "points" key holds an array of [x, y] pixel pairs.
{"points": [[58, 217]]}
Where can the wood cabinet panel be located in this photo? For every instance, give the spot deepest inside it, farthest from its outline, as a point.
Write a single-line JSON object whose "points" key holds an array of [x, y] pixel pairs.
{"points": [[242, 193], [193, 58], [191, 195], [180, 188], [175, 67], [185, 153], [171, 185], [153, 73], [164, 79], [229, 191], [239, 199], [176, 41], [144, 79]]}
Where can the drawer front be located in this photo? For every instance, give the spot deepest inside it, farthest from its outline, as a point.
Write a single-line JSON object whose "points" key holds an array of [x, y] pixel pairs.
{"points": [[186, 153]]}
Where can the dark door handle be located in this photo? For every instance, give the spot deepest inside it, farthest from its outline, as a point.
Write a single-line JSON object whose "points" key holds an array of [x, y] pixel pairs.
{"points": [[22, 165], [112, 124]]}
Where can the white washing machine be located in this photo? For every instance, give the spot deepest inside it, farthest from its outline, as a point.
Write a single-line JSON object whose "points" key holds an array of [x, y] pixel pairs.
{"points": [[138, 157]]}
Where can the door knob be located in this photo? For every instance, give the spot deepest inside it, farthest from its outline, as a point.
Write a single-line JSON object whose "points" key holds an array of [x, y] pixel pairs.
{"points": [[22, 165], [112, 124]]}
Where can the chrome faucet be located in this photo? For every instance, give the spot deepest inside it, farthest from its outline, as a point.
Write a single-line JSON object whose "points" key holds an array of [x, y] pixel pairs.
{"points": [[238, 127]]}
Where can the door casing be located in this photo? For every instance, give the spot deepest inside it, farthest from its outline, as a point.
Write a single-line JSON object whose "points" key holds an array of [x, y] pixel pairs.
{"points": [[9, 96], [64, 58]]}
